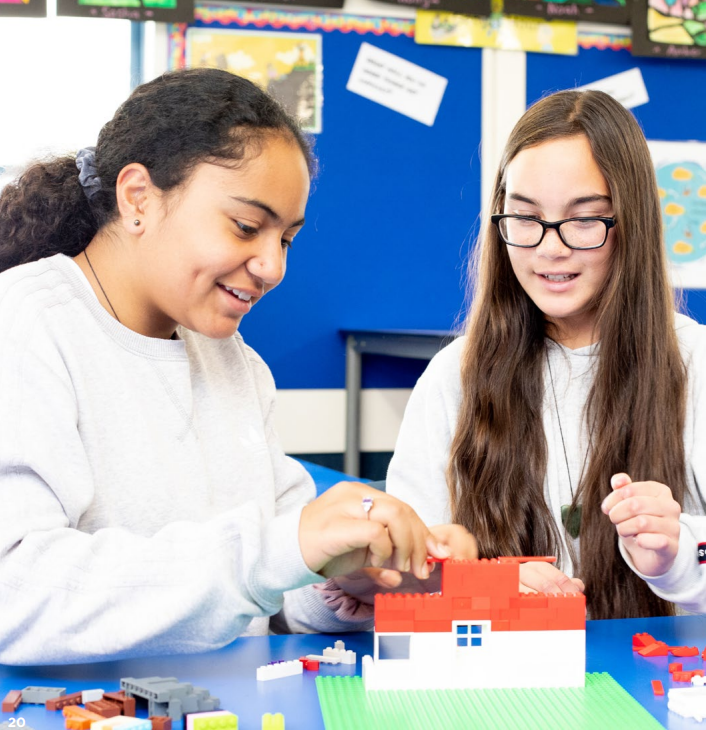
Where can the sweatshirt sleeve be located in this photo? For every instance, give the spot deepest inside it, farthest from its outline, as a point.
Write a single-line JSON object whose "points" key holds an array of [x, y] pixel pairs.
{"points": [[417, 472], [70, 596]]}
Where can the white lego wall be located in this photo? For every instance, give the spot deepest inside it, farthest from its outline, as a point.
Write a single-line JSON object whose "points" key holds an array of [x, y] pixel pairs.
{"points": [[506, 659]]}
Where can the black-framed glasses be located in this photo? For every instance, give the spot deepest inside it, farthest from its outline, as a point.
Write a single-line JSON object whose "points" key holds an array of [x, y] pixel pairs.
{"points": [[578, 233]]}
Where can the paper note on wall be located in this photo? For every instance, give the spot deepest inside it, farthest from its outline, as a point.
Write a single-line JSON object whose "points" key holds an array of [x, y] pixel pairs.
{"points": [[627, 87], [397, 84]]}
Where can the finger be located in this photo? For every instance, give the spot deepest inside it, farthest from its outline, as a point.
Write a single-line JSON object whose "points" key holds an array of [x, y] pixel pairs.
{"points": [[579, 584], [647, 524], [366, 534], [545, 578], [645, 506], [656, 542], [620, 480]]}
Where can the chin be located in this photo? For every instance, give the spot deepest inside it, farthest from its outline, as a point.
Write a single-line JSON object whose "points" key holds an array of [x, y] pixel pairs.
{"points": [[221, 331]]}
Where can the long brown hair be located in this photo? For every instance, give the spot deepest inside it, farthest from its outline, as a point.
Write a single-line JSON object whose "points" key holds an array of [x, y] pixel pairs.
{"points": [[498, 457]]}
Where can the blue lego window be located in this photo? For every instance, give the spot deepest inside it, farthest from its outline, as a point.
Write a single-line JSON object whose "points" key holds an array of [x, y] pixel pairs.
{"points": [[469, 635]]}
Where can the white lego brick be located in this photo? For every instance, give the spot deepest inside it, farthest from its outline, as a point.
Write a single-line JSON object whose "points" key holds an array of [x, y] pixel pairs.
{"points": [[339, 645], [698, 681], [345, 657], [91, 695], [324, 659], [688, 702], [125, 723], [279, 670]]}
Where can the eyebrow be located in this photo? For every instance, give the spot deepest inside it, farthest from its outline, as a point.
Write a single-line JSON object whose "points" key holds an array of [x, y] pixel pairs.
{"points": [[576, 201], [271, 213]]}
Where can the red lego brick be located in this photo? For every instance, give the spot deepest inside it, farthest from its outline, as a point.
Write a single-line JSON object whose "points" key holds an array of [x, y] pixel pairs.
{"points": [[58, 703], [467, 603], [675, 667], [657, 687], [500, 626], [659, 648], [639, 641], [127, 705], [481, 602], [433, 626], [686, 676], [161, 723], [381, 626], [683, 651], [103, 708], [528, 559], [77, 718], [311, 665], [703, 655], [12, 700]]}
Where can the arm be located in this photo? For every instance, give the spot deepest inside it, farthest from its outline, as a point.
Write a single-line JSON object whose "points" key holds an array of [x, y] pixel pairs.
{"points": [[67, 595]]}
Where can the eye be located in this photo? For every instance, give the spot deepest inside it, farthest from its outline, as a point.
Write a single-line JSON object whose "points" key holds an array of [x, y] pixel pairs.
{"points": [[247, 230], [286, 243]]}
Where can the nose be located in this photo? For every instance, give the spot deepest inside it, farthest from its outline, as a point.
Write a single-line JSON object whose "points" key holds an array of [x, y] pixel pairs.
{"points": [[268, 262], [552, 247]]}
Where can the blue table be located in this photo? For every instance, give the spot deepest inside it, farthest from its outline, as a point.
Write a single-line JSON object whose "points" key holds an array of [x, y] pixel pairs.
{"points": [[230, 673]]}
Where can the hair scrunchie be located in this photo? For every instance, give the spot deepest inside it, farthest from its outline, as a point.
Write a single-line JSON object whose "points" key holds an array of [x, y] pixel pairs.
{"points": [[87, 172]]}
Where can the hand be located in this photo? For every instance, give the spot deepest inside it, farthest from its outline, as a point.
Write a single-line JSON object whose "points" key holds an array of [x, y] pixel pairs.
{"points": [[545, 578], [364, 584], [336, 537], [646, 517]]}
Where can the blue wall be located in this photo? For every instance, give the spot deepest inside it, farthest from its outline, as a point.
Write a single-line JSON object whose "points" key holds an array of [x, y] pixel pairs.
{"points": [[388, 223]]}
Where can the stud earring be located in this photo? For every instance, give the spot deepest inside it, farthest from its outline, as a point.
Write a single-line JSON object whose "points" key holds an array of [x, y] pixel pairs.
{"points": [[136, 222]]}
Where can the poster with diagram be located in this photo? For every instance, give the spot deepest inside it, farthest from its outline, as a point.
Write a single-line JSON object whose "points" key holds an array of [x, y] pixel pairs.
{"points": [[669, 28], [23, 8], [593, 11], [681, 180], [286, 65]]}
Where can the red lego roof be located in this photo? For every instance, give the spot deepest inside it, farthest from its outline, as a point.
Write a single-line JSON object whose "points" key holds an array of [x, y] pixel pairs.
{"points": [[486, 590]]}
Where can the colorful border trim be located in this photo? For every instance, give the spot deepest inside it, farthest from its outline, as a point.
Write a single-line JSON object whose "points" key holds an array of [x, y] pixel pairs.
{"points": [[605, 41], [260, 17]]}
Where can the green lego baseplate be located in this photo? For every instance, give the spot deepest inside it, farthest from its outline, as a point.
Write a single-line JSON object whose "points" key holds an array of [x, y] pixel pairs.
{"points": [[601, 704]]}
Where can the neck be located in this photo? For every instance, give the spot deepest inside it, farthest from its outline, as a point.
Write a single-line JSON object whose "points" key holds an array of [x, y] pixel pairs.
{"points": [[573, 334]]}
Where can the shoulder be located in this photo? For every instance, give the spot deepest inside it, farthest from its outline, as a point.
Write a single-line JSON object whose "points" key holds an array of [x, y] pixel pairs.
{"points": [[39, 285], [692, 339], [445, 366]]}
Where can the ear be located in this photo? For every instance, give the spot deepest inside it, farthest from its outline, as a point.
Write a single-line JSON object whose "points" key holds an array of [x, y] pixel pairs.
{"points": [[133, 190]]}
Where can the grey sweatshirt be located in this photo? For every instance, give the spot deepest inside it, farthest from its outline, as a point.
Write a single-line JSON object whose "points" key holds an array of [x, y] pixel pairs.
{"points": [[146, 506], [417, 471]]}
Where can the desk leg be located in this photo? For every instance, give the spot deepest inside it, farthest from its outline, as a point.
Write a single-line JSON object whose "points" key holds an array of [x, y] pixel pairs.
{"points": [[351, 462]]}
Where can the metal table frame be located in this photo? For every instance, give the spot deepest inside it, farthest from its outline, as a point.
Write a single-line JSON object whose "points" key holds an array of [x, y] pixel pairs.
{"points": [[414, 344]]}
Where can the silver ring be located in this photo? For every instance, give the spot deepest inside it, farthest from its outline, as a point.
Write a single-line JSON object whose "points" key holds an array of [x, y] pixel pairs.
{"points": [[367, 505]]}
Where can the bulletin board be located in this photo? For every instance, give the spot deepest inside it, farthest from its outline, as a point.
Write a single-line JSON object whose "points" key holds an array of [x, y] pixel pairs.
{"points": [[675, 111], [392, 213]]}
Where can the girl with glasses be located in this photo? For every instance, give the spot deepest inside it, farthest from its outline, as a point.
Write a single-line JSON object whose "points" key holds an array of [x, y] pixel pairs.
{"points": [[146, 506], [570, 419]]}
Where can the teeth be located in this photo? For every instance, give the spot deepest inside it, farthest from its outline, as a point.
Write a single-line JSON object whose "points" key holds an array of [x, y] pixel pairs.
{"points": [[239, 294], [558, 277]]}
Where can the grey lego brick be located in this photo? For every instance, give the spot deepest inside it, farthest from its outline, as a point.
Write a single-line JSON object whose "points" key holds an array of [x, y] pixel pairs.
{"points": [[39, 695]]}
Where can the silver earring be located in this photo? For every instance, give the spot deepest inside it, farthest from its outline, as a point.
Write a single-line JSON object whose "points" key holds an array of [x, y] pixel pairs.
{"points": [[136, 222]]}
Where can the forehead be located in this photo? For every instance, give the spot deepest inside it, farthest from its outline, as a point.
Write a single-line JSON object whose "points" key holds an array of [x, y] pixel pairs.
{"points": [[555, 171], [275, 171]]}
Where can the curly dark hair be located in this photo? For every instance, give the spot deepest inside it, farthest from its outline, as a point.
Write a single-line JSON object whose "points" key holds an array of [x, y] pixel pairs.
{"points": [[169, 125]]}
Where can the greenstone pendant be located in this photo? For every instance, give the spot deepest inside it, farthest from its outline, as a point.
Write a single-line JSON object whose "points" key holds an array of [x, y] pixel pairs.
{"points": [[571, 519]]}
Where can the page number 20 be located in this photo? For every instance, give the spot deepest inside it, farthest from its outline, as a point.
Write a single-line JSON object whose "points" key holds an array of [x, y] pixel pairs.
{"points": [[16, 722]]}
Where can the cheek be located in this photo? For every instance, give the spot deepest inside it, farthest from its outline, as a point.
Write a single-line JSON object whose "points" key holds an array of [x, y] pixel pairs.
{"points": [[519, 259]]}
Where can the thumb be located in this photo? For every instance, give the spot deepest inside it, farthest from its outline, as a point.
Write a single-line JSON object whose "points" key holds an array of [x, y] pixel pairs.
{"points": [[620, 480]]}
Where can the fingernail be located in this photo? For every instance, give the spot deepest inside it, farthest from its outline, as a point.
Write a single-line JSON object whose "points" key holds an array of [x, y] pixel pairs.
{"points": [[425, 572], [442, 550]]}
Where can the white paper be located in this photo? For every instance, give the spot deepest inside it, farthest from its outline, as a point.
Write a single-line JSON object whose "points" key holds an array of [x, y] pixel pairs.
{"points": [[397, 84], [681, 180], [627, 87]]}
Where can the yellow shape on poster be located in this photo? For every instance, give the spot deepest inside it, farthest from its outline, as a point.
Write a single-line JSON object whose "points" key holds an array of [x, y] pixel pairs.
{"points": [[702, 191], [507, 33], [662, 192], [703, 227], [676, 35], [681, 247], [656, 20], [673, 209], [681, 173]]}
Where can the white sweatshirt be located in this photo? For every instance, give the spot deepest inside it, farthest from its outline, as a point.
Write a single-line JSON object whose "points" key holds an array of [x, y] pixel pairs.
{"points": [[417, 470], [146, 506]]}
